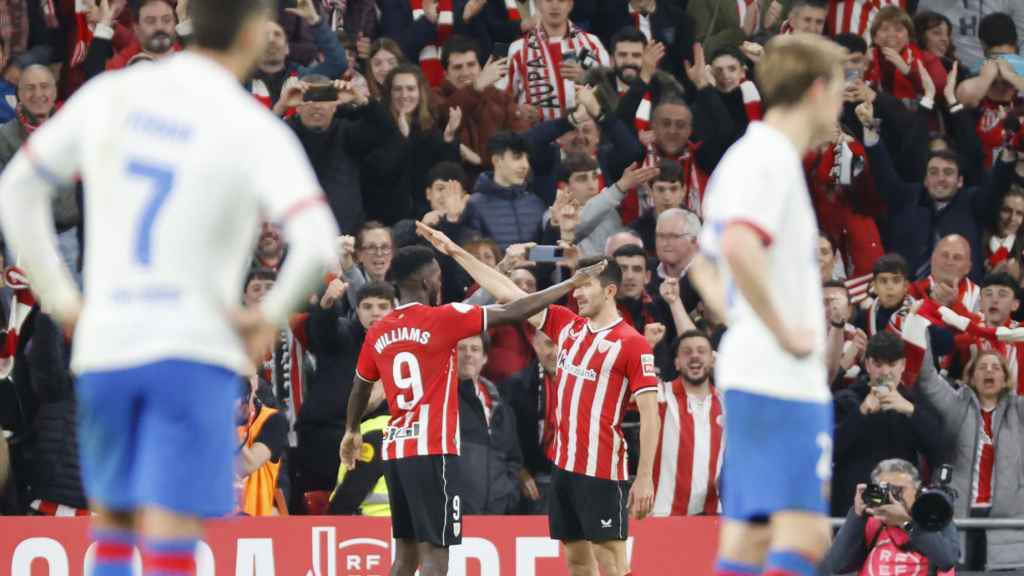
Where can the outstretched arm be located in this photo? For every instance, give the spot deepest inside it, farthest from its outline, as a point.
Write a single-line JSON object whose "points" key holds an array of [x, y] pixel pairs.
{"points": [[491, 279], [528, 306]]}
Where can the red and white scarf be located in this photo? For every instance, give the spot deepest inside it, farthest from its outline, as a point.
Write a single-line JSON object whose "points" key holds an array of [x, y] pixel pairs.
{"points": [[430, 55], [751, 100], [512, 10], [741, 10], [642, 21], [873, 327], [48, 508], [999, 249], [21, 306], [283, 369], [261, 91], [639, 200], [688, 460], [642, 118], [914, 330], [858, 288], [969, 292], [83, 34], [884, 74], [1007, 339], [538, 66], [483, 394]]}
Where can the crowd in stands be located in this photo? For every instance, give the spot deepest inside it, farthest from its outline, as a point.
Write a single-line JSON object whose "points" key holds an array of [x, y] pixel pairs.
{"points": [[594, 126]]}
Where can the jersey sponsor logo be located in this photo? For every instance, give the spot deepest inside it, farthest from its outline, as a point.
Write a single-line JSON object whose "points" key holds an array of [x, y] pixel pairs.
{"points": [[395, 433], [577, 371], [403, 334], [647, 364]]}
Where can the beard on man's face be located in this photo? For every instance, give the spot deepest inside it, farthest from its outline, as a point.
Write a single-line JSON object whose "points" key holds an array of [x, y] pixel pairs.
{"points": [[159, 43], [627, 73]]}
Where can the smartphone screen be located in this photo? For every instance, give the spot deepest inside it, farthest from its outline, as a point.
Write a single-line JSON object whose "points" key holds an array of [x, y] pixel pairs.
{"points": [[500, 50], [322, 93], [545, 254]]}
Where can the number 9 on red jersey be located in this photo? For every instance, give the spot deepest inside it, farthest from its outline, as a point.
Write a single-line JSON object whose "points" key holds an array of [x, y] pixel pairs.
{"points": [[412, 352]]}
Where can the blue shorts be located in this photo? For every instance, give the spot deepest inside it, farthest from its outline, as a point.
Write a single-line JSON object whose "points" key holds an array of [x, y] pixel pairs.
{"points": [[159, 434], [778, 456]]}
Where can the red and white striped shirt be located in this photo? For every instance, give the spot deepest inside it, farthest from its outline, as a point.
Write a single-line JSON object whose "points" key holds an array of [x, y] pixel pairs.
{"points": [[412, 351], [596, 369], [854, 16], [689, 457], [981, 490]]}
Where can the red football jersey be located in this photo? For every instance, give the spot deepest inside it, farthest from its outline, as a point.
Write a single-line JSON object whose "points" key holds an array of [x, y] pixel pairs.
{"points": [[412, 351], [595, 371]]}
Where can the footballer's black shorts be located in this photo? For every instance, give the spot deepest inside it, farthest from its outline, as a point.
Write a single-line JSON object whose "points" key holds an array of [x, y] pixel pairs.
{"points": [[587, 508], [425, 504]]}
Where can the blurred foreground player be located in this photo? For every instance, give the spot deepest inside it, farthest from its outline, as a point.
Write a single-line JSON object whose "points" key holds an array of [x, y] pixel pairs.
{"points": [[411, 351], [174, 194], [758, 267]]}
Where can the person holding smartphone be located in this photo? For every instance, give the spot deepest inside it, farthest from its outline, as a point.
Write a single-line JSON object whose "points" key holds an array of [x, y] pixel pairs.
{"points": [[879, 418]]}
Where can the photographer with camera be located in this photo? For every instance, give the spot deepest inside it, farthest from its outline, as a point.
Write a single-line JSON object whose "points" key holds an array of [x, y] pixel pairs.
{"points": [[882, 536], [983, 422]]}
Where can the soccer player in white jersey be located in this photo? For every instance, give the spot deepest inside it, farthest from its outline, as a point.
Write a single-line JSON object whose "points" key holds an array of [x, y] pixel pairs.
{"points": [[178, 164], [758, 266]]}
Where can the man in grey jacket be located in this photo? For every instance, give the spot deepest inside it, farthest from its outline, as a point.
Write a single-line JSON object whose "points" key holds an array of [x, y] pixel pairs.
{"points": [[599, 217], [37, 101], [984, 423]]}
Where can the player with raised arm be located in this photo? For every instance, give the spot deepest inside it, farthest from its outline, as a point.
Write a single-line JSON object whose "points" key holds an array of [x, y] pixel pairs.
{"points": [[758, 267], [602, 364], [411, 351], [174, 193]]}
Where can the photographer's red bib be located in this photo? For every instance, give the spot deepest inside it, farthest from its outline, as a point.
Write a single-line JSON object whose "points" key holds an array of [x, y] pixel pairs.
{"points": [[891, 554]]}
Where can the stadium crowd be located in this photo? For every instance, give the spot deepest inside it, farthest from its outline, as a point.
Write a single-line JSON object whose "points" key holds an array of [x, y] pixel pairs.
{"points": [[594, 126]]}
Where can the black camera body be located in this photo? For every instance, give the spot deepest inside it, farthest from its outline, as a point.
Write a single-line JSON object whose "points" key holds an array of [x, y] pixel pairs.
{"points": [[880, 494], [933, 509]]}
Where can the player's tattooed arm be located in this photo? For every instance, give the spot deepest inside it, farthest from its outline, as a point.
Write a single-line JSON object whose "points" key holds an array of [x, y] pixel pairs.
{"points": [[529, 305]]}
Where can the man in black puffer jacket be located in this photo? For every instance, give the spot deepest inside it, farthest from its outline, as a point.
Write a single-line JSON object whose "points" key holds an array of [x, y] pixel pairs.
{"points": [[45, 456], [501, 207], [488, 467]]}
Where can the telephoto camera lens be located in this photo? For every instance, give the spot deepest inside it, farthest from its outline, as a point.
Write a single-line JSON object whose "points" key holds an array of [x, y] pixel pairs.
{"points": [[933, 509]]}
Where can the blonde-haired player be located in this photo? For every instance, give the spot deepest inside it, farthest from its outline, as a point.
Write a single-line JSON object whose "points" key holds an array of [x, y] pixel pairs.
{"points": [[758, 267]]}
